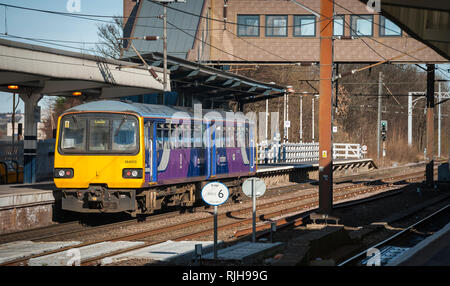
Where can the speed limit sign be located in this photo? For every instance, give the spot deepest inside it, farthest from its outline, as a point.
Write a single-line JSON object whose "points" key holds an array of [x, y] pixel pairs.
{"points": [[215, 193]]}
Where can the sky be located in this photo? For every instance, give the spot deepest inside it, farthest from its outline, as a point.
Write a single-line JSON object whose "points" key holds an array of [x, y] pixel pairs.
{"points": [[40, 25], [33, 24]]}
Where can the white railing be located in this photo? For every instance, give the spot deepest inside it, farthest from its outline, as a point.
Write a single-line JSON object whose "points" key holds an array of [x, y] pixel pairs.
{"points": [[304, 152], [346, 151]]}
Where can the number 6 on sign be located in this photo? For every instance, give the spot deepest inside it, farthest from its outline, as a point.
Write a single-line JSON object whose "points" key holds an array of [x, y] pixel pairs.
{"points": [[215, 193]]}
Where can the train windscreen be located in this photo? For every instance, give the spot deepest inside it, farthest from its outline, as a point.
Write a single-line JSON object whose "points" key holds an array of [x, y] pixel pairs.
{"points": [[99, 133]]}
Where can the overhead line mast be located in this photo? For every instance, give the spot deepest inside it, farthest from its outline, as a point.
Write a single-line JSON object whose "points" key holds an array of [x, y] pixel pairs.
{"points": [[325, 90]]}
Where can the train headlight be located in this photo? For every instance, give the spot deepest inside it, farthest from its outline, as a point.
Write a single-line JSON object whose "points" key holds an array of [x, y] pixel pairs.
{"points": [[63, 173], [132, 173]]}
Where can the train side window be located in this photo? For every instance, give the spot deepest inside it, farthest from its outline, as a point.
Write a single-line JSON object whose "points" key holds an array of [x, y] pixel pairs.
{"points": [[247, 135], [219, 136], [229, 135], [159, 136], [166, 142], [240, 135], [176, 136], [184, 133]]}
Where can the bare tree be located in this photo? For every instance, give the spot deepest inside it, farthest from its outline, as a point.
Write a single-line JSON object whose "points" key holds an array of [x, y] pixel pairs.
{"points": [[110, 34]]}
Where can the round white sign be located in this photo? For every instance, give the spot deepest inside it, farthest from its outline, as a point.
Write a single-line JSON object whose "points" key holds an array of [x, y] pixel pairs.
{"points": [[215, 193], [258, 184]]}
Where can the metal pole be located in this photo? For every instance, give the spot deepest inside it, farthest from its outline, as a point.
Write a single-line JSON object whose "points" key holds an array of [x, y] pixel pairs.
{"points": [[215, 232], [301, 118], [267, 117], [13, 119], [410, 110], [165, 46], [312, 118], [380, 91], [430, 124], [284, 118], [325, 108], [439, 121], [254, 212], [287, 116]]}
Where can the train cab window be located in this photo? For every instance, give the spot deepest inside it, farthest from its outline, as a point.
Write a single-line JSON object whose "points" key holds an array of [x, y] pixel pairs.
{"points": [[124, 134], [98, 135], [73, 134]]}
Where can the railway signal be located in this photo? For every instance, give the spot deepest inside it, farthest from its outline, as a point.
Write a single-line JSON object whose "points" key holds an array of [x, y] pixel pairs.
{"points": [[384, 135], [383, 129]]}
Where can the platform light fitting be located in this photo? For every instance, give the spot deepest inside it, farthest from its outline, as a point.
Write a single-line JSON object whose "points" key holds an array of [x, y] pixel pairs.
{"points": [[76, 93], [15, 87]]}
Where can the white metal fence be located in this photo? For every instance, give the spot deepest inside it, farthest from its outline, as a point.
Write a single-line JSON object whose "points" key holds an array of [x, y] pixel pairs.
{"points": [[304, 152]]}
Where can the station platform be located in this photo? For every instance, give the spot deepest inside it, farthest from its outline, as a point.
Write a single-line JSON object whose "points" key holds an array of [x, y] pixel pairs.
{"points": [[24, 206], [244, 253], [433, 251]]}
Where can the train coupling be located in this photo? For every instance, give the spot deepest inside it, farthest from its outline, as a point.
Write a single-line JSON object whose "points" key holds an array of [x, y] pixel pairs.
{"points": [[96, 194]]}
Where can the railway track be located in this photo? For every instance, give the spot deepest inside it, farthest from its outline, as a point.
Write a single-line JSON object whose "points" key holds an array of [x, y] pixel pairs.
{"points": [[387, 250], [59, 231], [342, 193], [62, 230]]}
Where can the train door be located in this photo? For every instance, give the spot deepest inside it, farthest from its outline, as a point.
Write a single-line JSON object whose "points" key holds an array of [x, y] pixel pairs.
{"points": [[251, 146], [211, 150], [150, 151]]}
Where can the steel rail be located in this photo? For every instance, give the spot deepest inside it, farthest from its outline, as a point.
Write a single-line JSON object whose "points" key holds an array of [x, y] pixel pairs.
{"points": [[358, 256]]}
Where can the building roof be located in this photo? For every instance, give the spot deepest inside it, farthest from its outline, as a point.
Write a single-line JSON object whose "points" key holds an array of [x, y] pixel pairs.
{"points": [[427, 21], [178, 42]]}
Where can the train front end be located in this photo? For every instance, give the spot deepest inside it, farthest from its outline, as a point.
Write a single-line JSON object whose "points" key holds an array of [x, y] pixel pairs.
{"points": [[99, 161]]}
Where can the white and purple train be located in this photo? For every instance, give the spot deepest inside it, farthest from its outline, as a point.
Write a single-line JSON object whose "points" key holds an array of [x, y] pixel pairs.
{"points": [[115, 156]]}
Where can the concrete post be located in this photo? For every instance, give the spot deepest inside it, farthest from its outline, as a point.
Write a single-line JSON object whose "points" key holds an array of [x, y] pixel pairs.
{"points": [[30, 136]]}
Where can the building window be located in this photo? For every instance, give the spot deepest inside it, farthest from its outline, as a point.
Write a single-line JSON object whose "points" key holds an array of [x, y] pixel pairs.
{"points": [[276, 25], [388, 28], [338, 25], [361, 25], [304, 26], [248, 25]]}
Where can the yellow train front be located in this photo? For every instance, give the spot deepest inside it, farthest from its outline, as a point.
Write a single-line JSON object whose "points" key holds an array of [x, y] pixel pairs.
{"points": [[99, 160], [113, 156]]}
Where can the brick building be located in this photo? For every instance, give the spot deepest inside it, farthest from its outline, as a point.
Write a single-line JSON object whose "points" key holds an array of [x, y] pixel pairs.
{"points": [[261, 31]]}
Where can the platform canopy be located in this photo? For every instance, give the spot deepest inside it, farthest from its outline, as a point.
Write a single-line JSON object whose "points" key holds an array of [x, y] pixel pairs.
{"points": [[206, 82], [425, 20], [26, 68]]}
